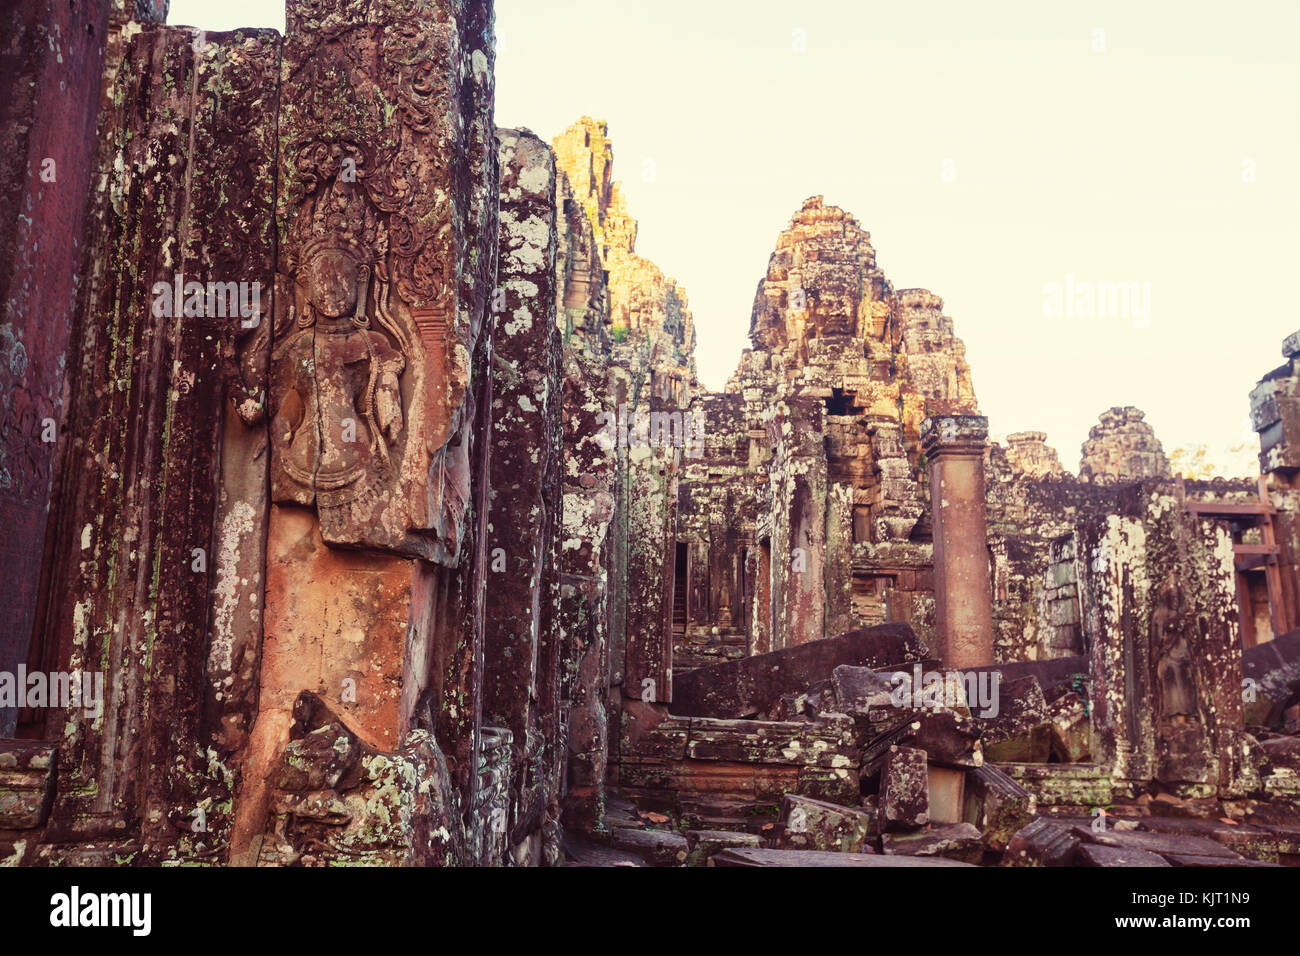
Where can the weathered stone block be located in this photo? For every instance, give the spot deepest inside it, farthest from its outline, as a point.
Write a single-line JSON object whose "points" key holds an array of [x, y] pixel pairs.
{"points": [[1090, 855], [816, 825], [858, 689], [997, 805], [27, 774], [956, 841], [1161, 843], [1043, 842], [656, 847], [1071, 728], [904, 790], [702, 844], [819, 858], [1020, 732], [753, 685], [1063, 785]]}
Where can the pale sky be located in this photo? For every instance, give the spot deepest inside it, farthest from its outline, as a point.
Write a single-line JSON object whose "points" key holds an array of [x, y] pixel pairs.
{"points": [[990, 150]]}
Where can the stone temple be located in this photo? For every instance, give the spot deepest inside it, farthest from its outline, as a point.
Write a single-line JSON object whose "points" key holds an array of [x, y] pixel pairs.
{"points": [[361, 504]]}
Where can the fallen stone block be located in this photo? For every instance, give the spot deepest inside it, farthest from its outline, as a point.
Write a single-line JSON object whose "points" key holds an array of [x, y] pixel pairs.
{"points": [[809, 824], [1021, 731], [1181, 859], [753, 685], [1274, 669], [858, 689], [956, 841], [649, 732], [1071, 728], [904, 790], [727, 812], [827, 743], [1043, 842], [1056, 675], [1093, 855], [819, 858], [997, 805], [834, 784], [1082, 786], [1283, 753], [1283, 786], [656, 847], [1161, 843], [1172, 805], [27, 770], [702, 844], [948, 739], [1258, 843], [584, 853], [1287, 840], [622, 813]]}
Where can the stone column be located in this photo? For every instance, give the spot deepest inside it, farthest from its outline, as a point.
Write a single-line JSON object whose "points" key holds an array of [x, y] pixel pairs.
{"points": [[963, 605], [51, 90], [521, 665]]}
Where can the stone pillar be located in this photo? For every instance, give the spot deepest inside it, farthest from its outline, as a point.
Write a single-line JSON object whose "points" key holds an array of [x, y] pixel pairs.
{"points": [[50, 89], [963, 605], [651, 489], [1275, 415], [521, 665], [136, 584], [379, 398], [590, 518], [797, 483], [1115, 602]]}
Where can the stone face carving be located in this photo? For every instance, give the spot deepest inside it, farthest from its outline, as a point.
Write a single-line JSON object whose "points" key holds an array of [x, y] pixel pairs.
{"points": [[1029, 454], [1122, 447]]}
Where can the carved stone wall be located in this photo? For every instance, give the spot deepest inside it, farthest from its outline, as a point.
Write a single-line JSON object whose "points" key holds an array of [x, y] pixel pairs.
{"points": [[1167, 692], [138, 499], [1029, 453]]}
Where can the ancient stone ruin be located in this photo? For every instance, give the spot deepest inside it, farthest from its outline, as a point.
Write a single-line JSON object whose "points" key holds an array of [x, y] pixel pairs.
{"points": [[362, 506]]}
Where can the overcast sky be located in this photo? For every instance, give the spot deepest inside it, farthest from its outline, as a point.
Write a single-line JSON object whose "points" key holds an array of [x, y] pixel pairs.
{"points": [[1001, 155]]}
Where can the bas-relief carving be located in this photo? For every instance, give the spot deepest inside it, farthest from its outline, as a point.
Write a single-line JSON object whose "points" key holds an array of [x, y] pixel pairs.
{"points": [[369, 375]]}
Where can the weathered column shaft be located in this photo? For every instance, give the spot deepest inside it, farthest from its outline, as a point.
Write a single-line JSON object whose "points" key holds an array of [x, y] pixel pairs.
{"points": [[963, 605]]}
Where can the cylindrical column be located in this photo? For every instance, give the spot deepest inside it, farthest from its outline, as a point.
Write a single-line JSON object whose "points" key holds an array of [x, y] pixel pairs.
{"points": [[954, 446]]}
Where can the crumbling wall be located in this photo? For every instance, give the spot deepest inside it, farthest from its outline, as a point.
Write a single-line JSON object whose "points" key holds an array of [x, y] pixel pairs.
{"points": [[1160, 616]]}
